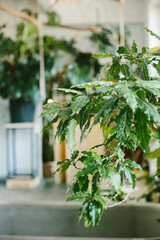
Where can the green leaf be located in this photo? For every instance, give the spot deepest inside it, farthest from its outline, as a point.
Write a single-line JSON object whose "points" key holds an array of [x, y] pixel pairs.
{"points": [[102, 55], [95, 212], [130, 175], [78, 196], [124, 125], [65, 166], [157, 67], [144, 68], [115, 178], [142, 130], [132, 164], [125, 70], [78, 103], [95, 182], [134, 47], [108, 107], [154, 154], [103, 69], [149, 109], [70, 134], [97, 158], [148, 84], [74, 155], [123, 50], [86, 171], [100, 199], [152, 33], [51, 108], [66, 90], [89, 86], [130, 97], [65, 113]]}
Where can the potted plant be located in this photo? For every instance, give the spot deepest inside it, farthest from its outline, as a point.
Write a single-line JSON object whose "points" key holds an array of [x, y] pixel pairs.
{"points": [[127, 109], [19, 72]]}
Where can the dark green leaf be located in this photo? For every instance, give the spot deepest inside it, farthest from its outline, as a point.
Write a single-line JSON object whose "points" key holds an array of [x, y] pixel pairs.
{"points": [[124, 125], [149, 109], [65, 113], [125, 70], [132, 164], [134, 47], [123, 50], [66, 90], [79, 102], [144, 68], [95, 182], [130, 97], [142, 131], [108, 107], [100, 199], [86, 171], [95, 212], [78, 196]]}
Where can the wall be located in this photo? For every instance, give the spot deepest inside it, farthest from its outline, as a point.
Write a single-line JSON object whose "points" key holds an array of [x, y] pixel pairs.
{"points": [[86, 12]]}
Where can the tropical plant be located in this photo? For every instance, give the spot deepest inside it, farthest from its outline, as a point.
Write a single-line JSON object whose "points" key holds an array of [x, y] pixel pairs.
{"points": [[127, 109]]}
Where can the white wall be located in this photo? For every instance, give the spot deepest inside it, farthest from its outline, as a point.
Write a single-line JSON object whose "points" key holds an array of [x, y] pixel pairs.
{"points": [[85, 12]]}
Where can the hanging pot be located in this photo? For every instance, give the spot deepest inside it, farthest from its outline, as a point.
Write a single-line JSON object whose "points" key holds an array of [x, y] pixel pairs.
{"points": [[21, 110]]}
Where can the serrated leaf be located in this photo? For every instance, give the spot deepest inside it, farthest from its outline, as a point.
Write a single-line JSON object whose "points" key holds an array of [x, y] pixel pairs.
{"points": [[130, 175], [86, 171], [148, 84], [89, 86], [157, 67], [144, 68], [70, 134], [115, 178], [124, 125], [95, 212], [66, 90], [78, 196], [132, 164], [102, 71], [65, 113], [97, 158], [130, 97], [78, 103], [152, 33], [134, 47], [125, 70], [108, 107], [142, 130], [100, 199], [51, 109], [149, 109]]}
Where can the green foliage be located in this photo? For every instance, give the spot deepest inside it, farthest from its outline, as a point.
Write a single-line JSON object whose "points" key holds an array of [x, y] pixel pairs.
{"points": [[127, 109]]}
